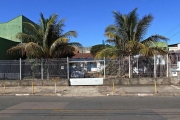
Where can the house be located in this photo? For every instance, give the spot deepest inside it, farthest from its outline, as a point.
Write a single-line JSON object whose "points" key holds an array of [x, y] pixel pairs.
{"points": [[174, 57], [85, 50], [174, 53], [174, 47], [8, 32]]}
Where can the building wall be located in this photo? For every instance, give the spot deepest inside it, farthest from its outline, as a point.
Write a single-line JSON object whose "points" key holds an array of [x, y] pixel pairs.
{"points": [[178, 46], [4, 46], [163, 45], [85, 50], [173, 48], [8, 32]]}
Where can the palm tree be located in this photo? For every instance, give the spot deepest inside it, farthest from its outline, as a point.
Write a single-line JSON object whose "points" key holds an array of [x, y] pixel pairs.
{"points": [[45, 40], [127, 36]]}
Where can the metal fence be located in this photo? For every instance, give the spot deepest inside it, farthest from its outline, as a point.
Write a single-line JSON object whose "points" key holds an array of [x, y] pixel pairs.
{"points": [[9, 69], [136, 66], [33, 69]]}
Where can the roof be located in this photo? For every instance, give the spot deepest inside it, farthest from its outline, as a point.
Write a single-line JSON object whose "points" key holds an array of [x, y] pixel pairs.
{"points": [[173, 45], [83, 55]]}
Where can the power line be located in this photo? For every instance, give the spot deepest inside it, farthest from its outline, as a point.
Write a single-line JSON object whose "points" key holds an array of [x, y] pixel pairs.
{"points": [[172, 29], [175, 34]]}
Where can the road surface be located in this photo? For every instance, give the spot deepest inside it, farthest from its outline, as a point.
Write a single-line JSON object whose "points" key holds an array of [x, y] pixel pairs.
{"points": [[89, 108]]}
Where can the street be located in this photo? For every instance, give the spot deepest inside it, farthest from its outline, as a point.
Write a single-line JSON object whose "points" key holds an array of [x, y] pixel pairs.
{"points": [[89, 108]]}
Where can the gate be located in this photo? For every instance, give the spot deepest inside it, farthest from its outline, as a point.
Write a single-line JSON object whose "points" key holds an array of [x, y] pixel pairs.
{"points": [[86, 71]]}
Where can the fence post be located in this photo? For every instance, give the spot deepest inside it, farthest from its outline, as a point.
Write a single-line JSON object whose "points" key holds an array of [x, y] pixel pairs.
{"points": [[129, 67], [32, 87], [4, 88], [55, 81], [113, 88], [41, 68], [167, 66], [20, 68], [154, 66], [67, 68], [137, 66], [104, 68]]}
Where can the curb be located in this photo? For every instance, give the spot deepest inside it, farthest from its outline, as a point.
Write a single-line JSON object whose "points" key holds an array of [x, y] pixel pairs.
{"points": [[21, 94], [124, 94]]}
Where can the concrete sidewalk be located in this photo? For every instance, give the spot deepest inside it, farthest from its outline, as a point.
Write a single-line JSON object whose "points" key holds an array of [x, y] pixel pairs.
{"points": [[69, 91]]}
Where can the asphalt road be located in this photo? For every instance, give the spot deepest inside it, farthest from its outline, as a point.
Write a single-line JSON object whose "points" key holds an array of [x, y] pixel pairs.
{"points": [[89, 108]]}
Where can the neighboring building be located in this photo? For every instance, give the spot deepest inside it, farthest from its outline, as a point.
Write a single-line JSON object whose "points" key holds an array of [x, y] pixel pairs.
{"points": [[163, 45], [174, 56], [8, 32], [5, 44], [85, 50], [83, 55], [174, 47], [174, 53]]}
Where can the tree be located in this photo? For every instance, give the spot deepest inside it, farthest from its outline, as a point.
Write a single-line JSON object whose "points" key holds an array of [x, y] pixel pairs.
{"points": [[127, 35], [96, 48], [45, 40]]}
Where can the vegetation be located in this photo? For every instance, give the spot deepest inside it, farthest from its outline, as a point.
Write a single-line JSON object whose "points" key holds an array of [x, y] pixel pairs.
{"points": [[97, 48], [127, 36], [45, 40]]}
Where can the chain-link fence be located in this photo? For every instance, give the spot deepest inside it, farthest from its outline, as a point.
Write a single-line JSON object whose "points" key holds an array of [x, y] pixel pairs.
{"points": [[9, 69], [136, 66], [33, 69], [116, 68]]}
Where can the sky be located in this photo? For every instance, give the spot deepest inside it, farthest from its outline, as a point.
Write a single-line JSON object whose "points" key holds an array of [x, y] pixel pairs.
{"points": [[90, 17]]}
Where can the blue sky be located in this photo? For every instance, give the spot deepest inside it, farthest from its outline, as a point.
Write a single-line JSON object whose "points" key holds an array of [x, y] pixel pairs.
{"points": [[90, 17]]}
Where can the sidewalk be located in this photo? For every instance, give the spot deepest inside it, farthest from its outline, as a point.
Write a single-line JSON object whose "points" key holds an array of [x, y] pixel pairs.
{"points": [[80, 91]]}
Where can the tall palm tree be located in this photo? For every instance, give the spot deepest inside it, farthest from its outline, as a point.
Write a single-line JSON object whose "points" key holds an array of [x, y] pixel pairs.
{"points": [[45, 40], [127, 35]]}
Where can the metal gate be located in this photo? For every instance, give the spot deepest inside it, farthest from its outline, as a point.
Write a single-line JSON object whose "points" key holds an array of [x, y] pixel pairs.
{"points": [[86, 71]]}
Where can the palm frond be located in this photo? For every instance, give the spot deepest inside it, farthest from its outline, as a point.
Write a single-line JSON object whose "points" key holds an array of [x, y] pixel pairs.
{"points": [[30, 28], [133, 48], [142, 27], [33, 50], [17, 50], [120, 20], [152, 40], [76, 44], [108, 53], [111, 35], [58, 28], [52, 19], [155, 51], [111, 28], [57, 43], [70, 34], [64, 51], [43, 23], [27, 38]]}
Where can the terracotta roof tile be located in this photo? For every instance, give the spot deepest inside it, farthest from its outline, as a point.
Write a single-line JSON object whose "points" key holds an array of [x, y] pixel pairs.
{"points": [[83, 55]]}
